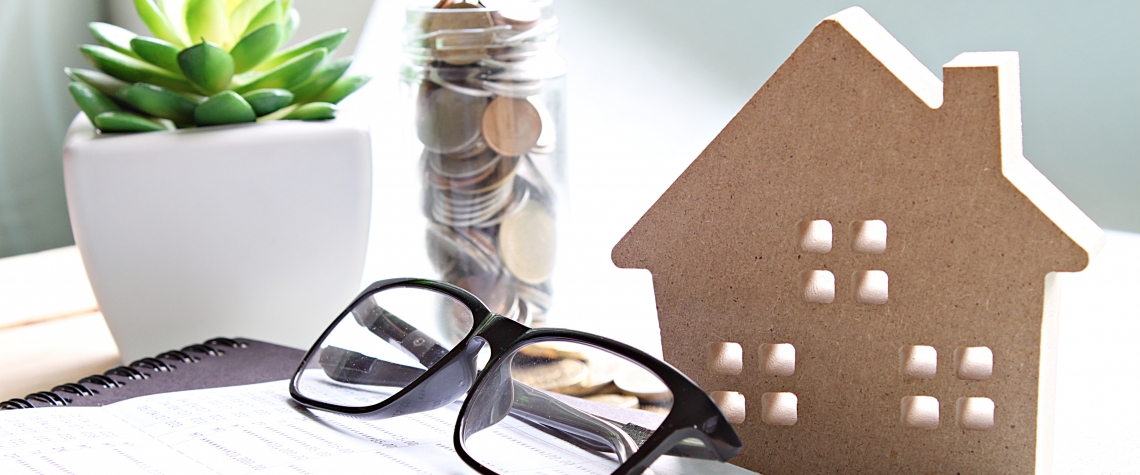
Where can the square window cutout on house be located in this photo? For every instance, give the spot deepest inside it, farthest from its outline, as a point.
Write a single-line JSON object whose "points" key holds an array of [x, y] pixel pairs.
{"points": [[817, 286], [920, 412], [973, 363], [726, 358], [814, 236], [779, 409], [869, 237], [918, 361], [870, 287], [975, 413], [778, 359], [731, 403]]}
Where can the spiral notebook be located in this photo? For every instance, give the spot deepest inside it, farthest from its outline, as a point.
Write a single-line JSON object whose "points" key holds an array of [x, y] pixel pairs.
{"points": [[146, 419], [216, 363]]}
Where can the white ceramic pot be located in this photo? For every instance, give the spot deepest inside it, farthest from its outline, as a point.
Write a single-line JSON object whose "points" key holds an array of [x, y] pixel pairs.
{"points": [[254, 230]]}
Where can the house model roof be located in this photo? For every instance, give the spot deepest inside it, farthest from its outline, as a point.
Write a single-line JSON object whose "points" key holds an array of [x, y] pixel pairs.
{"points": [[884, 229]]}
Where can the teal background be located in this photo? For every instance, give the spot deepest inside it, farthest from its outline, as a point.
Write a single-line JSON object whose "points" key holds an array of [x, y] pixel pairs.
{"points": [[1080, 69], [37, 39]]}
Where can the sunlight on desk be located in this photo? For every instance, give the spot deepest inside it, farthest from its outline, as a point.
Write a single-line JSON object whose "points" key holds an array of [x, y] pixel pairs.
{"points": [[50, 329]]}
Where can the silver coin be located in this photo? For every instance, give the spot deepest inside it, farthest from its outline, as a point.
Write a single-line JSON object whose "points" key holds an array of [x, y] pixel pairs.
{"points": [[448, 121], [527, 243]]}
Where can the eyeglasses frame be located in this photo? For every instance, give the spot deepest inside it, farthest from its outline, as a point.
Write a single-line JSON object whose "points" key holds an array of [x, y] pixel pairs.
{"points": [[693, 414]]}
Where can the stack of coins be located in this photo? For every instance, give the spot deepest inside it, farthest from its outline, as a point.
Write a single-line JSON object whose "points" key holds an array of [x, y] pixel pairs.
{"points": [[491, 161], [594, 375]]}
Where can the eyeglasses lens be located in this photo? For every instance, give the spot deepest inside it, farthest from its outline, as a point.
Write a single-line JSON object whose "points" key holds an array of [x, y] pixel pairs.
{"points": [[563, 404], [385, 342]]}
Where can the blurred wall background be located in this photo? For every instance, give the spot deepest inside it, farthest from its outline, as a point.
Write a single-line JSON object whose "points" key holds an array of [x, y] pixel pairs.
{"points": [[1080, 74], [652, 81], [37, 39]]}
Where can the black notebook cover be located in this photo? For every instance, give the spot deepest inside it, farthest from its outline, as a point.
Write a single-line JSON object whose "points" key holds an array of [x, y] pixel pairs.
{"points": [[216, 363]]}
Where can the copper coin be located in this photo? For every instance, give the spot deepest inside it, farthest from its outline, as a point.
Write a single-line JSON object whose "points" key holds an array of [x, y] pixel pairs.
{"points": [[461, 32], [547, 139], [511, 126], [448, 121]]}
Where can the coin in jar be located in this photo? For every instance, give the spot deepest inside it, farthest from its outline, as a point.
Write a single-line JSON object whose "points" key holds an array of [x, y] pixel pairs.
{"points": [[448, 121], [461, 36], [511, 126], [527, 243], [519, 14]]}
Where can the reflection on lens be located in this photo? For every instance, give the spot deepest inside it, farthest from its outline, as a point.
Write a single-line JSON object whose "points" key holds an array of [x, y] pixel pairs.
{"points": [[690, 455], [558, 405], [386, 341]]}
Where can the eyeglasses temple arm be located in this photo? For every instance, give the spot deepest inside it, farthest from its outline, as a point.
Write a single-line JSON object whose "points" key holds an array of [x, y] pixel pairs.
{"points": [[398, 333], [351, 367], [534, 405], [530, 404]]}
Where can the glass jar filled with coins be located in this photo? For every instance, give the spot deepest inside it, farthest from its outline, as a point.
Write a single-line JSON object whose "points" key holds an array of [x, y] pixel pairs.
{"points": [[489, 98]]}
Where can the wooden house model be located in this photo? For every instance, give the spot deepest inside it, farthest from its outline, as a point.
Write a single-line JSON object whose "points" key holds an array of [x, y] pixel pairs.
{"points": [[860, 266]]}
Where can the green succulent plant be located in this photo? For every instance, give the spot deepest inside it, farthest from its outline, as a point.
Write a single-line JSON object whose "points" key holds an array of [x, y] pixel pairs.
{"points": [[211, 62]]}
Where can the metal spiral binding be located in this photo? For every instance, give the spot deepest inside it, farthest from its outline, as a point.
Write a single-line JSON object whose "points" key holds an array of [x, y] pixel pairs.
{"points": [[101, 381], [178, 356], [129, 372], [153, 364], [74, 388], [204, 349]]}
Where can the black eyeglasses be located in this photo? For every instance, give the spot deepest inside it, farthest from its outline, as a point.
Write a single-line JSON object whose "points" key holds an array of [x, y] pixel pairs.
{"points": [[583, 401]]}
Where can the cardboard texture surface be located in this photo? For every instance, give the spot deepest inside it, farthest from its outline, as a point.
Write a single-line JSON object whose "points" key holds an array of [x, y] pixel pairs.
{"points": [[882, 252]]}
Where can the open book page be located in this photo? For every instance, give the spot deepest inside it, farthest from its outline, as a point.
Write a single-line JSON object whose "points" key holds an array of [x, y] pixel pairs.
{"points": [[254, 428]]}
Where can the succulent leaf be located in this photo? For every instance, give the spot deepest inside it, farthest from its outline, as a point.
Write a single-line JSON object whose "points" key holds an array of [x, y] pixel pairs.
{"points": [[329, 40], [157, 52], [290, 73], [158, 102], [270, 14], [323, 77], [243, 13], [225, 107], [207, 66], [158, 23], [267, 101], [133, 70], [313, 111], [279, 114], [206, 21], [90, 100], [292, 21], [342, 88], [255, 47], [114, 37], [99, 80], [175, 11], [126, 122]]}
